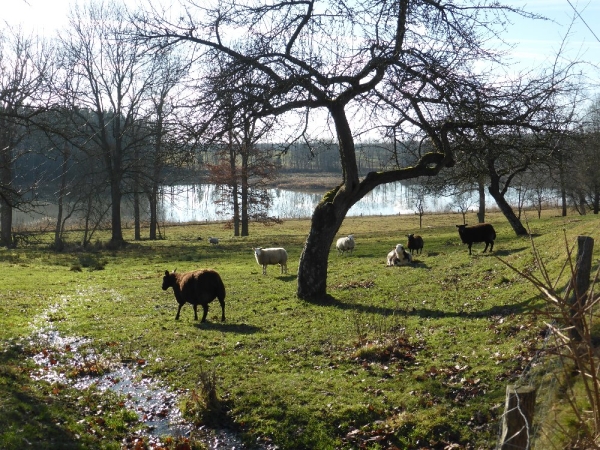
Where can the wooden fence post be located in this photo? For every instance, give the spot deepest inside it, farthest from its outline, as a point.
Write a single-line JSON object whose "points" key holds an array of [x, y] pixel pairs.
{"points": [[518, 418], [581, 283]]}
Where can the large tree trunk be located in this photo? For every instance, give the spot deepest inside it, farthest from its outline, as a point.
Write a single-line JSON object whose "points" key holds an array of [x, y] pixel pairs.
{"points": [[312, 270], [329, 215], [508, 212], [331, 211]]}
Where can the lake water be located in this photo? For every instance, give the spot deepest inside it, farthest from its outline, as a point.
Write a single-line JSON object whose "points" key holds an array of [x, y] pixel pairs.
{"points": [[197, 203]]}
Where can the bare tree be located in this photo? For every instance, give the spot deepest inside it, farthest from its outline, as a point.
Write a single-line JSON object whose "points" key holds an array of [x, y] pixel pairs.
{"points": [[584, 181], [463, 201], [25, 69], [113, 85], [407, 64], [245, 167]]}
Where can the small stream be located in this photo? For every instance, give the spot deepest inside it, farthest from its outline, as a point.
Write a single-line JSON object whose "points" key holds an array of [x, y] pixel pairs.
{"points": [[73, 362]]}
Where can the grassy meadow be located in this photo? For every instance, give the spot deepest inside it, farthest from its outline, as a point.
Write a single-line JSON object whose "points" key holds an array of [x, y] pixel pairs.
{"points": [[397, 357]]}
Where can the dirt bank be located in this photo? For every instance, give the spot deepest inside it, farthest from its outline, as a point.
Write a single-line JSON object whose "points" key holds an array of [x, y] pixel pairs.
{"points": [[308, 182]]}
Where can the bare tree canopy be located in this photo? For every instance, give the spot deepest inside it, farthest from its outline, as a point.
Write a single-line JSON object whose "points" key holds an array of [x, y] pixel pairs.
{"points": [[26, 70], [408, 69]]}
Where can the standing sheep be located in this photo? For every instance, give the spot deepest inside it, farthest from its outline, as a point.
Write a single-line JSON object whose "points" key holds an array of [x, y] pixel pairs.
{"points": [[482, 232], [345, 244], [272, 256], [199, 287], [415, 242], [399, 257]]}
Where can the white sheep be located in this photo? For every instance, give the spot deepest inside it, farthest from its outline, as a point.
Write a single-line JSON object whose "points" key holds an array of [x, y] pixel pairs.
{"points": [[345, 244], [399, 256], [272, 256], [213, 240]]}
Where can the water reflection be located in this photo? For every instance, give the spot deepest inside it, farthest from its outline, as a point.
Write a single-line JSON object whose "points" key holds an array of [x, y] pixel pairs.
{"points": [[198, 203]]}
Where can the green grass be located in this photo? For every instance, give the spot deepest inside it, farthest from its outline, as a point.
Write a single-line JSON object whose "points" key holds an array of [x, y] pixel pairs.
{"points": [[416, 357]]}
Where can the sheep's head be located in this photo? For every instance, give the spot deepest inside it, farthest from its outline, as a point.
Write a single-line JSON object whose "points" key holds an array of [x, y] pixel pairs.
{"points": [[461, 228], [168, 280], [399, 249], [257, 251], [351, 237]]}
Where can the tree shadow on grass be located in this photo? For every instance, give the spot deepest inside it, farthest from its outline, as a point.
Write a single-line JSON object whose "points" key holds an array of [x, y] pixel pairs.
{"points": [[237, 328], [288, 278], [501, 253], [505, 310]]}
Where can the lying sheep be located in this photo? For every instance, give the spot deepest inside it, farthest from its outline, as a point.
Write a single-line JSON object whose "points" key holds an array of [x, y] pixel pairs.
{"points": [[345, 244], [482, 232], [271, 256], [415, 243], [213, 240], [199, 287], [399, 256]]}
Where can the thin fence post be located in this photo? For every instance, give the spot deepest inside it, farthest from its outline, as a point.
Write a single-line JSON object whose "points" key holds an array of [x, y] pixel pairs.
{"points": [[517, 420], [581, 283]]}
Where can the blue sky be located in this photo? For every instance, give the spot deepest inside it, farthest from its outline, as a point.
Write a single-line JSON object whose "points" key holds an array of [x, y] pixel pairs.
{"points": [[537, 42]]}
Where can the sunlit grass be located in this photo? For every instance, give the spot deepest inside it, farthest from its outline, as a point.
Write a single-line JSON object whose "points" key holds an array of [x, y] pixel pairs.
{"points": [[401, 354]]}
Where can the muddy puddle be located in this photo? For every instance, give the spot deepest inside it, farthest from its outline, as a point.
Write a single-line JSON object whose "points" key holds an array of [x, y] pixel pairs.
{"points": [[72, 361]]}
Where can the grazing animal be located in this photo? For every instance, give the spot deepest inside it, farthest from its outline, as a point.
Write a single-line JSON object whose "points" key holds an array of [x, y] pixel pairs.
{"points": [[213, 240], [199, 287], [345, 244], [271, 256], [399, 256], [482, 232], [415, 243]]}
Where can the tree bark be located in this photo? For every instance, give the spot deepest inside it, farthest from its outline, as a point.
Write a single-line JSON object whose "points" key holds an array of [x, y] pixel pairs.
{"points": [[331, 211], [6, 209], [312, 270], [244, 169], [153, 204], [481, 209], [137, 217], [508, 212], [115, 196], [58, 242]]}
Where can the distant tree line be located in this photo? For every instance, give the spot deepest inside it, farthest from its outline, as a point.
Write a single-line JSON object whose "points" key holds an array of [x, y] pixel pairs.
{"points": [[112, 109]]}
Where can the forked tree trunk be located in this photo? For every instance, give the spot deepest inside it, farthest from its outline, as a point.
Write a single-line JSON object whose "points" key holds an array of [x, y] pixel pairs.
{"points": [[331, 211], [499, 196], [508, 212], [312, 270]]}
